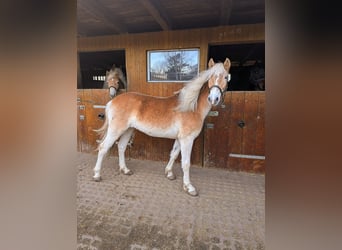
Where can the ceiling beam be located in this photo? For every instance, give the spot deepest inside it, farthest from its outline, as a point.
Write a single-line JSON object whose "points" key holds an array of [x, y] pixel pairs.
{"points": [[101, 13], [226, 10], [81, 30], [155, 13]]}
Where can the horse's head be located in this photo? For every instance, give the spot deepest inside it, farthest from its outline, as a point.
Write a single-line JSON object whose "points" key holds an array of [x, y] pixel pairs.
{"points": [[257, 77], [112, 81], [218, 81]]}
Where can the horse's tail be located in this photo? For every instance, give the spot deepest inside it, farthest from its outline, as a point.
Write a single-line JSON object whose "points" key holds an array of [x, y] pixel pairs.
{"points": [[103, 130]]}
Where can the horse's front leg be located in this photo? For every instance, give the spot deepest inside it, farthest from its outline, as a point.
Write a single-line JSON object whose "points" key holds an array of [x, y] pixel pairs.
{"points": [[186, 147], [122, 145], [173, 156]]}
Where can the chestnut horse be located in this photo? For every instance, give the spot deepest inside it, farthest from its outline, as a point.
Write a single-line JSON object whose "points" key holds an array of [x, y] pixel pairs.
{"points": [[112, 80], [178, 117]]}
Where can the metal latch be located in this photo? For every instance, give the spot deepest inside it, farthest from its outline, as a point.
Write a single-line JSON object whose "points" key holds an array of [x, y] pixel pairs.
{"points": [[241, 123]]}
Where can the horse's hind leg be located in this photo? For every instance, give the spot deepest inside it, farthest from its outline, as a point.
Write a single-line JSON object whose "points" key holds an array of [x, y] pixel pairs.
{"points": [[173, 156], [122, 145], [104, 146]]}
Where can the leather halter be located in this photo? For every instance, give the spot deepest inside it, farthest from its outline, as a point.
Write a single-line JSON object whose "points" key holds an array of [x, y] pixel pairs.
{"points": [[222, 92], [116, 89]]}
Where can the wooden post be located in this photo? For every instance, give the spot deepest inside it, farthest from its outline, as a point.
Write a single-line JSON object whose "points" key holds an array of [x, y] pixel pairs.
{"points": [[79, 75]]}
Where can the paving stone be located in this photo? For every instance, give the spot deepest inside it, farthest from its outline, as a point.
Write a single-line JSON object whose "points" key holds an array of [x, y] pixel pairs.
{"points": [[147, 211]]}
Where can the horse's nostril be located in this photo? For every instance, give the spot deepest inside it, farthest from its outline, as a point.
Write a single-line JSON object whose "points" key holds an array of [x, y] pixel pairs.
{"points": [[216, 99]]}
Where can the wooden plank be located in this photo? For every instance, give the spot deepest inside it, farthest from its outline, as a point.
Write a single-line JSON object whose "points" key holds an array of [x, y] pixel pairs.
{"points": [[260, 134], [158, 149], [89, 120], [84, 123], [152, 148], [250, 119], [93, 97], [247, 33], [260, 130], [82, 141], [217, 138], [249, 131], [235, 132], [197, 150]]}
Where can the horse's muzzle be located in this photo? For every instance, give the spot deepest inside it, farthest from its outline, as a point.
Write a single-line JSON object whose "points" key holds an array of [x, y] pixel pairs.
{"points": [[216, 95], [214, 101], [112, 92]]}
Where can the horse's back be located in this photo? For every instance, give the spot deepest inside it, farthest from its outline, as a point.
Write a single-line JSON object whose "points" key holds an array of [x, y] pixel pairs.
{"points": [[143, 101]]}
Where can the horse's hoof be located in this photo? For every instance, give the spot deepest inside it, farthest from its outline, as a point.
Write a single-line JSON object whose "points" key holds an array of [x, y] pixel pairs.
{"points": [[98, 178], [129, 172], [170, 176], [191, 191]]}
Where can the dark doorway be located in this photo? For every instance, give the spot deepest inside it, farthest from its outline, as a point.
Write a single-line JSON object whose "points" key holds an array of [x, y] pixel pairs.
{"points": [[248, 64], [93, 67]]}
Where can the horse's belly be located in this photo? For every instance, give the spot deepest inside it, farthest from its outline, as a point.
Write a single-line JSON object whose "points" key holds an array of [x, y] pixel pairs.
{"points": [[169, 132]]}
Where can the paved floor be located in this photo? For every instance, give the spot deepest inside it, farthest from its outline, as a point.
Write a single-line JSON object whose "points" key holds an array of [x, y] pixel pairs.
{"points": [[148, 211]]}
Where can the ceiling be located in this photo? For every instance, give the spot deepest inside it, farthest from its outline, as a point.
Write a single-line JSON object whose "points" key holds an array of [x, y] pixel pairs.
{"points": [[113, 17]]}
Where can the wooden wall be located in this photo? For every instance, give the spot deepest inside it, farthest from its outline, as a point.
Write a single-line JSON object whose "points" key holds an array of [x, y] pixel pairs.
{"points": [[136, 47]]}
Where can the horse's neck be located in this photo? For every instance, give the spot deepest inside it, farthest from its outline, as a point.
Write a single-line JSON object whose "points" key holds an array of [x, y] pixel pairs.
{"points": [[203, 106]]}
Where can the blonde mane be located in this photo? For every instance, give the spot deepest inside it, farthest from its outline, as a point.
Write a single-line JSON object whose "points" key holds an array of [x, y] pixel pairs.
{"points": [[188, 95]]}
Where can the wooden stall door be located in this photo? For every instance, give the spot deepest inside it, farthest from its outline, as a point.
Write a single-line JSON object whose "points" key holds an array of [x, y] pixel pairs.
{"points": [[234, 133], [90, 111]]}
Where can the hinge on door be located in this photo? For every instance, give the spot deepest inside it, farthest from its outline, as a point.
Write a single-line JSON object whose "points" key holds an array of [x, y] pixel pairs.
{"points": [[213, 113], [81, 107], [209, 125], [82, 117]]}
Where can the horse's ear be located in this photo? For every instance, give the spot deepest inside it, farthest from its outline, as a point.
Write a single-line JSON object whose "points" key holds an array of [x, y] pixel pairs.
{"points": [[226, 64], [211, 63]]}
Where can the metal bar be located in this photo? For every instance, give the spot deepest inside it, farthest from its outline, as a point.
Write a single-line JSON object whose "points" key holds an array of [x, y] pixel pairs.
{"points": [[258, 157], [99, 106]]}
